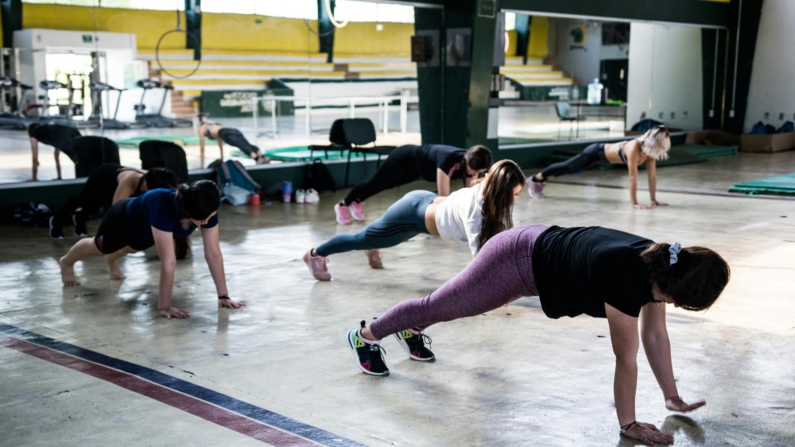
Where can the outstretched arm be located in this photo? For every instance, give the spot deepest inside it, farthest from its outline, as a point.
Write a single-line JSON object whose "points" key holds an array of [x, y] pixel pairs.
{"points": [[651, 168], [201, 146], [164, 242], [215, 261], [624, 337], [442, 183], [58, 162], [221, 148], [654, 335]]}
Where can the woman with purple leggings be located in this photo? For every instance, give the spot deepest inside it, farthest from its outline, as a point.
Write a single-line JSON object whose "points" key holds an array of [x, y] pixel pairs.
{"points": [[595, 271]]}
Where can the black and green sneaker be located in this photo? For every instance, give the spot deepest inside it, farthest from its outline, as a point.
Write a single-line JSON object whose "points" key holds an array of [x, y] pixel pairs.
{"points": [[415, 345], [369, 356]]}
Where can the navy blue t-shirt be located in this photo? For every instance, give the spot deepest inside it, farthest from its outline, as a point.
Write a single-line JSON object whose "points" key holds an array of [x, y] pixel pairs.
{"points": [[157, 208]]}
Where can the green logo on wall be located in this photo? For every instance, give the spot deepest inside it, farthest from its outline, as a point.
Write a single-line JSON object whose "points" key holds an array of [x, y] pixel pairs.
{"points": [[88, 38]]}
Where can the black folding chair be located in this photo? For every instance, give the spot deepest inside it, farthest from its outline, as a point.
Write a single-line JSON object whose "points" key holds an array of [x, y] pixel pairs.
{"points": [[93, 152], [359, 132], [564, 114], [336, 138], [164, 154]]}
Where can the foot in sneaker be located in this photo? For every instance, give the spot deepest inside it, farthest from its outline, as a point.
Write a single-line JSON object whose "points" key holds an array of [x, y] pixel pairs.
{"points": [[343, 213], [369, 354], [374, 259], [311, 196], [80, 227], [357, 211], [414, 344], [56, 232], [536, 189], [317, 266], [300, 196]]}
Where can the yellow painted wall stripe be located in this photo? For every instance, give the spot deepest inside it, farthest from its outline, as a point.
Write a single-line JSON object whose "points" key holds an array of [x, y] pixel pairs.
{"points": [[539, 36], [250, 32], [362, 38]]}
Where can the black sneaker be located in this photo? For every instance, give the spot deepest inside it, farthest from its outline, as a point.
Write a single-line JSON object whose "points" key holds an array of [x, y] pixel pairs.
{"points": [[369, 357], [56, 233], [415, 345], [80, 227]]}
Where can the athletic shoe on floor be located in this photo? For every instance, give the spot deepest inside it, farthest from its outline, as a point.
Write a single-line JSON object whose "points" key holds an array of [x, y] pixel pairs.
{"points": [[317, 266], [415, 345], [536, 189], [374, 259], [300, 196], [343, 213], [80, 227], [56, 233], [357, 211], [369, 356], [311, 196]]}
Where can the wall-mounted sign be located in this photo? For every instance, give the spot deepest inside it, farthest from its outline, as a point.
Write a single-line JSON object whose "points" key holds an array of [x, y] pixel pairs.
{"points": [[487, 8]]}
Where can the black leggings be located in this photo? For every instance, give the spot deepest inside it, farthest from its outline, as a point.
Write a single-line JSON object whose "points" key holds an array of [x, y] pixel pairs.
{"points": [[234, 137], [115, 232], [97, 193], [399, 168], [592, 155]]}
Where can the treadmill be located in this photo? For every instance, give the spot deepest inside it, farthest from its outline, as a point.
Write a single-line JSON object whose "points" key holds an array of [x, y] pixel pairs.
{"points": [[14, 119], [157, 119]]}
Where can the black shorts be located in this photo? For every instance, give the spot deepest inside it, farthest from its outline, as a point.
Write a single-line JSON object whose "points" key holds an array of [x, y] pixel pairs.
{"points": [[115, 231]]}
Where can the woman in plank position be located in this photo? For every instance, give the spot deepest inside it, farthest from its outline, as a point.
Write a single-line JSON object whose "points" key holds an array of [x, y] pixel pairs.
{"points": [[472, 215], [157, 218], [430, 162], [228, 135], [595, 271], [649, 148]]}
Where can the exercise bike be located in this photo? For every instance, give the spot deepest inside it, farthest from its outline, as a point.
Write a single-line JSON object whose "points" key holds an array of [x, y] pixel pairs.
{"points": [[96, 117], [15, 119], [157, 119]]}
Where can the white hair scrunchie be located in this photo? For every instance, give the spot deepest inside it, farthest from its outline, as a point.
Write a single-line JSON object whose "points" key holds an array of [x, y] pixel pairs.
{"points": [[674, 251]]}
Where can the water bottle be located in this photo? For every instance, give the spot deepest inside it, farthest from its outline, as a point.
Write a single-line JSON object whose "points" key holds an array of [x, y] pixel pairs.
{"points": [[287, 191], [595, 92]]}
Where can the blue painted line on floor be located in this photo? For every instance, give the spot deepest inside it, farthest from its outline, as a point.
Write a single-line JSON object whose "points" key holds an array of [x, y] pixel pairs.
{"points": [[199, 392]]}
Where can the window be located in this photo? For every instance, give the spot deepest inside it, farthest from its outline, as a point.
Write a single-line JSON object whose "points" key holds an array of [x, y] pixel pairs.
{"points": [[355, 11], [128, 4], [297, 9], [510, 21]]}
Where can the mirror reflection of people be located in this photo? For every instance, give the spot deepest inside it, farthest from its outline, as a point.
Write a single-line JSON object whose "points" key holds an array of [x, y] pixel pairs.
{"points": [[56, 135], [472, 215], [431, 162], [157, 218], [649, 148], [595, 271], [105, 186], [228, 135]]}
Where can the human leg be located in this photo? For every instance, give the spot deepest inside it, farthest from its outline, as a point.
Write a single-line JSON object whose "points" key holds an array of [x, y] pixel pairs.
{"points": [[113, 264], [83, 249], [234, 137], [398, 169], [588, 157]]}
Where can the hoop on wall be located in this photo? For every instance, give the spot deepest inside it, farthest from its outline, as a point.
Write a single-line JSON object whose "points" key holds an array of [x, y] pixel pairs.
{"points": [[188, 35]]}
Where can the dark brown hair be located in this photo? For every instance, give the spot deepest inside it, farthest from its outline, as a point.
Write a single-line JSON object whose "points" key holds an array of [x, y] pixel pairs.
{"points": [[695, 281], [477, 158], [498, 199], [197, 200]]}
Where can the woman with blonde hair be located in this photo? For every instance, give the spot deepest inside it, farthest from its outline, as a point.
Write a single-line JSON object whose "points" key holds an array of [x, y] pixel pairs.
{"points": [[650, 147], [472, 215]]}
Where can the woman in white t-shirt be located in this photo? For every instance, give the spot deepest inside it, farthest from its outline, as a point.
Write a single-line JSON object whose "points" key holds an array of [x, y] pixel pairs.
{"points": [[472, 215]]}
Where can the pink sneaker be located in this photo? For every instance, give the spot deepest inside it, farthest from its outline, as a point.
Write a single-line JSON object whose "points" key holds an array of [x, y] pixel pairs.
{"points": [[536, 189], [357, 211], [343, 213], [374, 259], [317, 266]]}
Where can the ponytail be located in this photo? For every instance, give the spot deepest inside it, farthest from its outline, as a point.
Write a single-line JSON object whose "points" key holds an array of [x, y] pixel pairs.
{"points": [[197, 200], [498, 198], [694, 280]]}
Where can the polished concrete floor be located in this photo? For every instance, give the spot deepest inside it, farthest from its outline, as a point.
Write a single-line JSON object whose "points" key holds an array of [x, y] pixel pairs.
{"points": [[510, 377]]}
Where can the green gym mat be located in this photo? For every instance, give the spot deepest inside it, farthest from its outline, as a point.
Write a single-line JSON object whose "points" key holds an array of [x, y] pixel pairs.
{"points": [[780, 185], [302, 153], [515, 140], [182, 140], [702, 151]]}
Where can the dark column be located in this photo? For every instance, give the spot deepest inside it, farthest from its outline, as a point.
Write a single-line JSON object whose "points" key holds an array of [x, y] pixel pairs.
{"points": [[523, 35], [746, 23], [325, 29], [12, 20], [193, 37], [713, 50], [454, 97]]}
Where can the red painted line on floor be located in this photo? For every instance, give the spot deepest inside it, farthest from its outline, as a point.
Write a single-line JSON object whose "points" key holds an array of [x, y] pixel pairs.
{"points": [[204, 410]]}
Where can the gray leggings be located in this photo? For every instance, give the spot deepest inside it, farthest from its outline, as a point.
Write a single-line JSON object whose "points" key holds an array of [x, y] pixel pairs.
{"points": [[401, 222]]}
